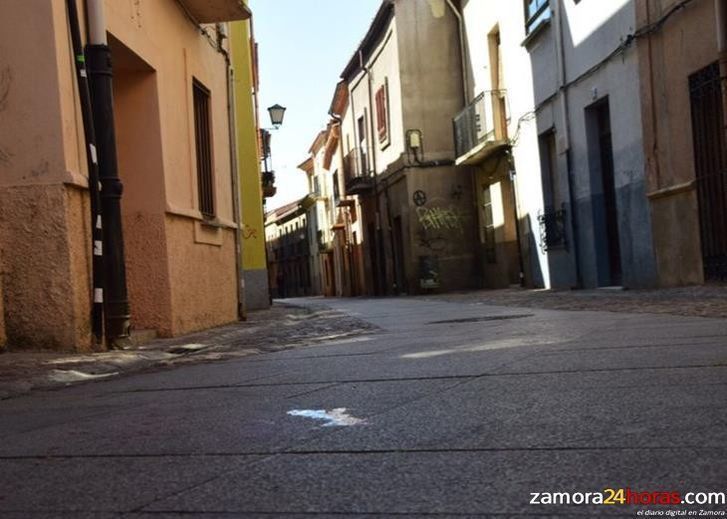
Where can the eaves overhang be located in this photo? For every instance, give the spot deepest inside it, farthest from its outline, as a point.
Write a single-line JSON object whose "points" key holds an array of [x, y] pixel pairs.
{"points": [[216, 11], [373, 36]]}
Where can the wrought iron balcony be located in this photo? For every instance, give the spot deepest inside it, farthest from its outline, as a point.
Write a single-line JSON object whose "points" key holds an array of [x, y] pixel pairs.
{"points": [[481, 127], [357, 174], [553, 229], [216, 11]]}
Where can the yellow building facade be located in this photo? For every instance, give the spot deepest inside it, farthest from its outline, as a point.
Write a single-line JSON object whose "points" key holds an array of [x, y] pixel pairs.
{"points": [[254, 263]]}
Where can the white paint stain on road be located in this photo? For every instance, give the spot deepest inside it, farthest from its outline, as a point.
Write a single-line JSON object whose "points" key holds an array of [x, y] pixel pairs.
{"points": [[334, 418], [499, 344], [71, 375]]}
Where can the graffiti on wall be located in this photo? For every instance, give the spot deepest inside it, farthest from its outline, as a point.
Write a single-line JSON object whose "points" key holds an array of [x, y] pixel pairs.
{"points": [[440, 218], [440, 224], [249, 232]]}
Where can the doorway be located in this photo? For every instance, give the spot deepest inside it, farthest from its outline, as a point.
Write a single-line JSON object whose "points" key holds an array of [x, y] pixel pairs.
{"points": [[143, 206], [604, 200], [709, 164]]}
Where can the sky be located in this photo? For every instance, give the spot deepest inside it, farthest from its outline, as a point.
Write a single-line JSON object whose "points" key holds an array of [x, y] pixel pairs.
{"points": [[303, 47]]}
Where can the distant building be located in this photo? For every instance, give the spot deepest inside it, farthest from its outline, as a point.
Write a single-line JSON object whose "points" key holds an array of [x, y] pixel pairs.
{"points": [[417, 213], [287, 234], [347, 219], [335, 260]]}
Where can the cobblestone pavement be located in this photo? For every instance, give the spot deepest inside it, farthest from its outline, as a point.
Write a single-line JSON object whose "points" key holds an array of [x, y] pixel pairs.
{"points": [[699, 301], [282, 327]]}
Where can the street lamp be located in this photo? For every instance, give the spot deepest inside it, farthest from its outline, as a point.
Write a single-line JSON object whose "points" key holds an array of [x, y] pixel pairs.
{"points": [[277, 113]]}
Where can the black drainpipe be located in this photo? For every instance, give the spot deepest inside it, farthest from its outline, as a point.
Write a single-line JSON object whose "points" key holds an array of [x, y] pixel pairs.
{"points": [[516, 215], [118, 318], [97, 317]]}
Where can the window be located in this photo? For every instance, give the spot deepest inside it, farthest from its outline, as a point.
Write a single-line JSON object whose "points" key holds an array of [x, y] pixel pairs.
{"points": [[537, 12], [382, 113], [203, 142], [336, 188], [549, 168], [552, 218], [363, 147]]}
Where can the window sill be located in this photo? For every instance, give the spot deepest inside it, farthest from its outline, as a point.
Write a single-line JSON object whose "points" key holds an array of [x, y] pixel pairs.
{"points": [[194, 214], [207, 234]]}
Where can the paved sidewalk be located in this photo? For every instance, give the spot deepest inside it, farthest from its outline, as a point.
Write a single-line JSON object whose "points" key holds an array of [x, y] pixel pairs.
{"points": [[698, 301], [282, 327]]}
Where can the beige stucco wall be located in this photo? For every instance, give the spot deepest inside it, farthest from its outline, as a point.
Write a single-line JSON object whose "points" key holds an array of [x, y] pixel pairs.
{"points": [[430, 72], [148, 30], [45, 282], [140, 158], [44, 213], [384, 67], [683, 46], [43, 217], [168, 248], [203, 275]]}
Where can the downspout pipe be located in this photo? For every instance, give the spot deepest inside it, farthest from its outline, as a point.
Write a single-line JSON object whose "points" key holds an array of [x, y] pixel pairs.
{"points": [[516, 214], [116, 300], [234, 172], [84, 91], [462, 51], [565, 121]]}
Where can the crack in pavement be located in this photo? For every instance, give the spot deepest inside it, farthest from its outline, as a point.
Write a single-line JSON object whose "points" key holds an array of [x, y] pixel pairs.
{"points": [[364, 452], [425, 378]]}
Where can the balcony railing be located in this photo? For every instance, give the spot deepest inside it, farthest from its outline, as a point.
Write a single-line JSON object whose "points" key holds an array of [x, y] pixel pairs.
{"points": [[552, 229], [357, 172], [481, 123]]}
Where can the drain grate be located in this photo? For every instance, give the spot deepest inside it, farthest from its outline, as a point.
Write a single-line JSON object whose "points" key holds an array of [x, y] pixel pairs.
{"points": [[482, 319]]}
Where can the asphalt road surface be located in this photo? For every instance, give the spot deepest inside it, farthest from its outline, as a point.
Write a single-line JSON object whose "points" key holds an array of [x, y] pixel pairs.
{"points": [[449, 410]]}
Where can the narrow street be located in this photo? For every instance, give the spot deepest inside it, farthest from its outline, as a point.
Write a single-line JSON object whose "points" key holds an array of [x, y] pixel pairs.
{"points": [[445, 409]]}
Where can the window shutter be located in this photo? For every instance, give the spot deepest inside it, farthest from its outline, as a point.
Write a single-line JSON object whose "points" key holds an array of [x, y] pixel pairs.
{"points": [[382, 113]]}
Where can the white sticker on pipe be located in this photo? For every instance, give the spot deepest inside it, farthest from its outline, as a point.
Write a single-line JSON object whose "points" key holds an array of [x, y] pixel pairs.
{"points": [[98, 248], [83, 72], [99, 225], [98, 295], [94, 158]]}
